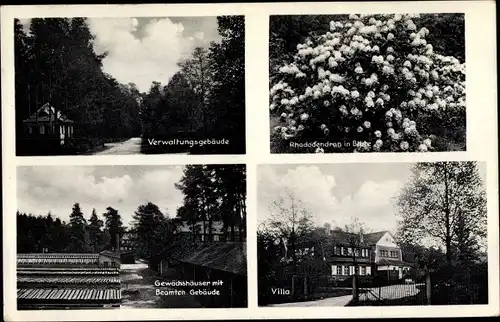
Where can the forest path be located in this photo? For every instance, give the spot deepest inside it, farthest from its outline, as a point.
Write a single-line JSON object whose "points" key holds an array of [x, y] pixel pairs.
{"points": [[131, 146]]}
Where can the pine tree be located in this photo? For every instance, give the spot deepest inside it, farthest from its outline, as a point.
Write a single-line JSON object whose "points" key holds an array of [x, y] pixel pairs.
{"points": [[152, 229], [114, 226], [77, 232], [95, 232]]}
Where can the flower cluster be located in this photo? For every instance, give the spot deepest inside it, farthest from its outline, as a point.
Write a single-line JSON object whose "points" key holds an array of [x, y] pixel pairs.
{"points": [[371, 77]]}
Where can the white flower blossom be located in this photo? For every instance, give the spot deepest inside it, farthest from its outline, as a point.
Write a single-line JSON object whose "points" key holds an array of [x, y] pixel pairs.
{"points": [[422, 148]]}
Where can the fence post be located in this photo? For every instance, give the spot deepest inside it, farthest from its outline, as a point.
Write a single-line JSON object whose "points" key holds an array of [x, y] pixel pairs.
{"points": [[428, 287], [293, 287]]}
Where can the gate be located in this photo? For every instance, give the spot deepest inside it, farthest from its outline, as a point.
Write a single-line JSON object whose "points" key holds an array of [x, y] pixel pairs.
{"points": [[375, 291]]}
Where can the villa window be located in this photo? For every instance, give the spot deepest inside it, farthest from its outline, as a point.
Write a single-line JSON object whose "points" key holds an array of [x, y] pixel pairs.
{"points": [[30, 129], [339, 270], [342, 250], [384, 253], [42, 129], [346, 270], [394, 254], [363, 270], [349, 251], [216, 237]]}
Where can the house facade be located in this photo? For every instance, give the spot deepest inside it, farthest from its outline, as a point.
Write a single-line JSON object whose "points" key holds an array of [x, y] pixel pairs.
{"points": [[387, 257], [49, 123], [201, 232], [128, 242], [345, 255], [348, 257]]}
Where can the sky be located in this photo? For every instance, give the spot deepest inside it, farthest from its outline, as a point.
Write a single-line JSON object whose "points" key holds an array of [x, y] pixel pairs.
{"points": [[143, 50], [41, 189], [335, 193]]}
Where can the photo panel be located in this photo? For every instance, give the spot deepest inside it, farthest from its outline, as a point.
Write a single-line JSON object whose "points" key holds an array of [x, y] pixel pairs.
{"points": [[130, 85], [367, 83], [372, 234], [129, 237]]}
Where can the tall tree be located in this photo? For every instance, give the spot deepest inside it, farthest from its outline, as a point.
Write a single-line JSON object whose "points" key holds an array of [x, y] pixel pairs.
{"points": [[196, 185], [78, 226], [355, 232], [114, 226], [197, 70], [227, 97], [290, 221], [95, 231], [152, 229], [444, 201], [56, 63]]}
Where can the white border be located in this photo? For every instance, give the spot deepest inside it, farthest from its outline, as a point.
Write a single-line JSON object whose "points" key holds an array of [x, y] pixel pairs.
{"points": [[482, 145]]}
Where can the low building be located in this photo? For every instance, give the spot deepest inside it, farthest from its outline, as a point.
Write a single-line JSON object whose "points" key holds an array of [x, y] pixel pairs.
{"points": [[49, 124], [224, 265], [115, 259], [64, 281]]}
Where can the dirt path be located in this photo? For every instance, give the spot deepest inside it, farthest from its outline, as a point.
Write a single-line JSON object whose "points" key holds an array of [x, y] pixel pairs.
{"points": [[131, 146]]}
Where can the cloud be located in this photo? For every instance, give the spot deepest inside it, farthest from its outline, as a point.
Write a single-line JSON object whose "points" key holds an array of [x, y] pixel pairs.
{"points": [[142, 60], [306, 183], [153, 57], [26, 24], [147, 49], [371, 201], [49, 188]]}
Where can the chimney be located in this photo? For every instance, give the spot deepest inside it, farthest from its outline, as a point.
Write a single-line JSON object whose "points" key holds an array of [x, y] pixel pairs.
{"points": [[118, 242]]}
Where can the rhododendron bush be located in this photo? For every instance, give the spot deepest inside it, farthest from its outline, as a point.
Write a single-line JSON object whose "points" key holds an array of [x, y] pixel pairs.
{"points": [[372, 79]]}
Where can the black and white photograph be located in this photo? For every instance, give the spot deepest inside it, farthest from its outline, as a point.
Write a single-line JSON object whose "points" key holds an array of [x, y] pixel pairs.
{"points": [[127, 85], [372, 234], [367, 83], [131, 237]]}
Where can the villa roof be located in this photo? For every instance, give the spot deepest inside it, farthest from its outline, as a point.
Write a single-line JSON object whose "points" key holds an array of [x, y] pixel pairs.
{"points": [[47, 113], [369, 239], [373, 238]]}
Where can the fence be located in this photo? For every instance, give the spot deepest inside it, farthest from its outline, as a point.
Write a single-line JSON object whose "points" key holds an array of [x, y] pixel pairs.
{"points": [[373, 292]]}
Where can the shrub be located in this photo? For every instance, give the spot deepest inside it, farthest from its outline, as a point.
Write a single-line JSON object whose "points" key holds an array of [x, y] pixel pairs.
{"points": [[373, 79]]}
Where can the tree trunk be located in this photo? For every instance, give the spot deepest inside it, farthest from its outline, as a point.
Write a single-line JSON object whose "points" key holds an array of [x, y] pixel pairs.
{"points": [[447, 217], [355, 293]]}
